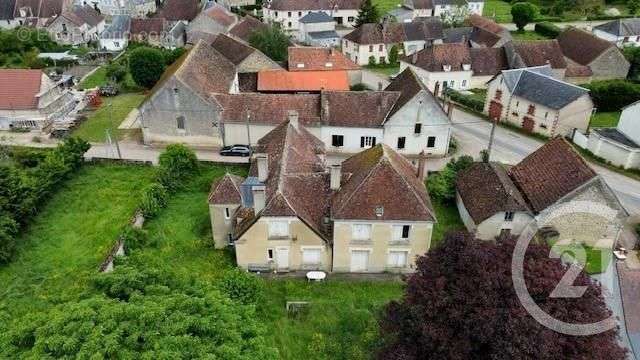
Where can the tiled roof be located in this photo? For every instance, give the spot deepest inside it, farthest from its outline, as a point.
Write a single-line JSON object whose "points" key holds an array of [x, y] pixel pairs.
{"points": [[543, 89], [246, 27], [18, 88], [357, 108], [226, 190], [484, 37], [176, 10], [581, 46], [6, 9], [408, 84], [232, 49], [457, 35], [488, 61], [88, 14], [484, 23], [317, 58], [550, 173], [435, 57], [379, 180], [220, 15], [540, 52], [248, 82], [31, 6], [621, 27], [287, 81], [393, 33], [319, 35], [486, 189], [316, 17], [155, 26], [327, 5], [269, 108], [51, 8], [576, 70]]}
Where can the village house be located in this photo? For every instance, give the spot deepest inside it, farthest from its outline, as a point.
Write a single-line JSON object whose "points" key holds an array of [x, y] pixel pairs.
{"points": [[36, 13], [591, 58], [7, 20], [485, 64], [317, 28], [29, 99], [116, 36], [322, 59], [212, 21], [621, 32], [132, 8], [158, 32], [484, 32], [375, 41], [524, 54], [553, 187], [246, 59], [179, 10], [76, 26], [288, 13], [291, 213], [619, 145], [441, 66], [533, 99], [411, 9]]}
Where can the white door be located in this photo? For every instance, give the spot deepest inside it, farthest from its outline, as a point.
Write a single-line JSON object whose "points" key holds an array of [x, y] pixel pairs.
{"points": [[282, 257], [359, 260]]}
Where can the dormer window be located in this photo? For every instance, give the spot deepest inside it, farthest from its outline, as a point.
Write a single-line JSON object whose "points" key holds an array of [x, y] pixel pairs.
{"points": [[300, 65], [328, 65], [466, 67], [446, 67]]}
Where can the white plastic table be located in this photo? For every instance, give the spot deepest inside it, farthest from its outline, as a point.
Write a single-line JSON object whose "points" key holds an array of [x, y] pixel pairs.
{"points": [[316, 275]]}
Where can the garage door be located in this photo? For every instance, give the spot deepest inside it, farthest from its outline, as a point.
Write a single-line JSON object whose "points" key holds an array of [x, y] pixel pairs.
{"points": [[359, 260], [311, 256]]}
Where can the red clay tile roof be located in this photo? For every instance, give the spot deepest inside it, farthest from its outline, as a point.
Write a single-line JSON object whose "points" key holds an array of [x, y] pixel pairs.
{"points": [[288, 81], [549, 173], [392, 33], [316, 59], [540, 52], [18, 88], [176, 10], [484, 37], [232, 49], [408, 85], [269, 109], [577, 70], [220, 15], [380, 178], [88, 15], [581, 46], [153, 26], [314, 4], [245, 28], [484, 23], [226, 190], [435, 57], [486, 189], [357, 108], [488, 61]]}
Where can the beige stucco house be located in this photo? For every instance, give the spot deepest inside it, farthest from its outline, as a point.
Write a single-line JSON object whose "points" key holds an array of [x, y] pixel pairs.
{"points": [[292, 213]]}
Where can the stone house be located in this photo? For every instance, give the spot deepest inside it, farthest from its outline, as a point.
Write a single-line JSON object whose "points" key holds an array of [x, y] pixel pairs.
{"points": [[621, 32], [602, 59], [29, 99], [37, 13], [484, 32], [180, 108], [76, 26], [246, 59], [116, 36], [322, 59], [376, 40], [553, 187], [619, 145], [292, 213], [533, 99], [318, 29], [132, 8], [212, 21], [412, 9], [288, 13]]}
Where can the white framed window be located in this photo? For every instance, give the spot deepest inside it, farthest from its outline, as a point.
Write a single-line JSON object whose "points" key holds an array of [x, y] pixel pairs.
{"points": [[397, 259], [361, 231], [401, 232], [367, 141], [278, 229], [311, 256], [227, 213]]}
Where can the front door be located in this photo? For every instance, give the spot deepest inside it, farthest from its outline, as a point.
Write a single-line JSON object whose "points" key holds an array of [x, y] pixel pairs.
{"points": [[282, 257], [359, 260]]}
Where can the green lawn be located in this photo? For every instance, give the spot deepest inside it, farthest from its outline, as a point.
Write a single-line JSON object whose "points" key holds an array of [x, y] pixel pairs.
{"points": [[385, 71], [597, 260], [528, 35], [70, 237], [448, 220], [385, 5], [605, 119], [500, 11], [98, 78], [479, 94], [109, 116]]}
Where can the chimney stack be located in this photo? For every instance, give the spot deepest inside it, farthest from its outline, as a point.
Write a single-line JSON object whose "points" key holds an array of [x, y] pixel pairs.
{"points": [[336, 175], [422, 165], [293, 118], [259, 198], [414, 57], [263, 167]]}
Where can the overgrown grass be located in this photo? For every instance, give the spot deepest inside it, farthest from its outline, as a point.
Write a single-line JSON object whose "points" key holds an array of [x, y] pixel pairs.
{"points": [[605, 119], [528, 35], [498, 10], [70, 237], [448, 220], [109, 116], [385, 5], [385, 71]]}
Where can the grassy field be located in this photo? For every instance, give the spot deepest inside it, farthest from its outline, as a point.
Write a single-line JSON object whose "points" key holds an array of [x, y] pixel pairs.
{"points": [[98, 78], [448, 220], [110, 114], [500, 11], [384, 71], [68, 240], [385, 5], [605, 119], [528, 35]]}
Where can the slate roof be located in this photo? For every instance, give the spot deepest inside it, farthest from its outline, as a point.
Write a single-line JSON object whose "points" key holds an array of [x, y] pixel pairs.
{"points": [[329, 34], [581, 46], [621, 27], [357, 108], [542, 89], [314, 4], [316, 59], [486, 189], [246, 27], [316, 17], [6, 9], [366, 174], [232, 49], [291, 81], [18, 88], [393, 33], [226, 190], [435, 57], [540, 53], [615, 135], [488, 61], [118, 29], [550, 173], [176, 10], [269, 109]]}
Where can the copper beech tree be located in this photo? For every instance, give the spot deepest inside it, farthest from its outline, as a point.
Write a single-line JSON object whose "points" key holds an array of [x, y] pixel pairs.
{"points": [[461, 304]]}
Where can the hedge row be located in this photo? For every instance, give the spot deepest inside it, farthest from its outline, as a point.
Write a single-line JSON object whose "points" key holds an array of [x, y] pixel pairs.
{"points": [[608, 17], [548, 29], [468, 101], [613, 95]]}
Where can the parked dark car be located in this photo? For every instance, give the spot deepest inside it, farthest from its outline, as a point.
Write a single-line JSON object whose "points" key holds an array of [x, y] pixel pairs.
{"points": [[235, 150]]}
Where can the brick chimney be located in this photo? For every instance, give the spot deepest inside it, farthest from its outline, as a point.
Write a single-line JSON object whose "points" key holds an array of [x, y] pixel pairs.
{"points": [[293, 118], [262, 161], [336, 175], [259, 198], [422, 166]]}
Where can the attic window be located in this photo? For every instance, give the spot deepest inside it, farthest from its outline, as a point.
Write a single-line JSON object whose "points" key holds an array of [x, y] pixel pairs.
{"points": [[300, 65], [446, 67], [379, 211], [328, 64], [466, 67]]}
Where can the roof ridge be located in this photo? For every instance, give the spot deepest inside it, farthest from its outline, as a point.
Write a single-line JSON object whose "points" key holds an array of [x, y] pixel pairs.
{"points": [[554, 79], [355, 191]]}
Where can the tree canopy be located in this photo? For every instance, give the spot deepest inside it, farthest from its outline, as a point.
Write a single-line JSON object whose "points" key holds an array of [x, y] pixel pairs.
{"points": [[523, 13], [442, 185], [272, 41], [461, 304], [146, 65], [367, 14]]}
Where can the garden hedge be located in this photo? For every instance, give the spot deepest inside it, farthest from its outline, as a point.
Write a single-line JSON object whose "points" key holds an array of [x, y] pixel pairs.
{"points": [[547, 29]]}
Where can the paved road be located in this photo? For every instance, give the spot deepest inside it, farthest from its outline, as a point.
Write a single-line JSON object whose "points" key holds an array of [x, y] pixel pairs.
{"points": [[473, 132]]}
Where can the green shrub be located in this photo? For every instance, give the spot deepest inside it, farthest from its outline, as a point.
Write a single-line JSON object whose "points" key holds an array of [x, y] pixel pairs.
{"points": [[8, 231], [153, 200], [28, 158], [612, 95], [468, 101], [442, 185], [116, 72], [241, 286], [358, 87], [146, 65], [177, 163], [523, 13], [272, 41], [547, 29], [134, 238]]}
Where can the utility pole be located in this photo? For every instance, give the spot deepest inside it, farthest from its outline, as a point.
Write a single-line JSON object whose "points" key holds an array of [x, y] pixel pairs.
{"points": [[115, 138], [493, 132], [247, 123]]}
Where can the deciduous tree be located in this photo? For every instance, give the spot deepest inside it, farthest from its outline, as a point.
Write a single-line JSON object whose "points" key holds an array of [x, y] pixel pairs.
{"points": [[367, 14], [146, 66], [523, 13], [272, 41]]}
